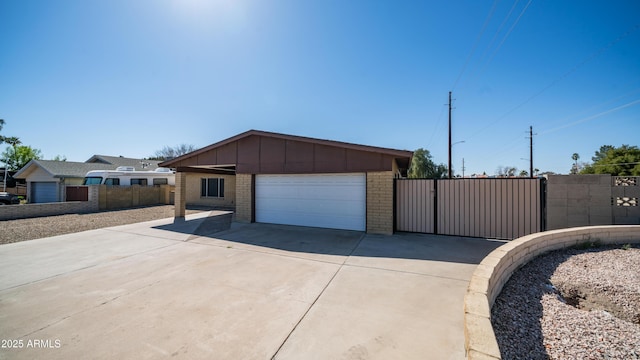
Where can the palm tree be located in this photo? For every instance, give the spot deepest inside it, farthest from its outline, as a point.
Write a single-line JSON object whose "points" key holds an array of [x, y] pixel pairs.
{"points": [[2, 122], [13, 141], [575, 158]]}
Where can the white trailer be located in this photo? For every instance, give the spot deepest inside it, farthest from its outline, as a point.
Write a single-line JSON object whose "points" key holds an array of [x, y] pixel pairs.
{"points": [[127, 175]]}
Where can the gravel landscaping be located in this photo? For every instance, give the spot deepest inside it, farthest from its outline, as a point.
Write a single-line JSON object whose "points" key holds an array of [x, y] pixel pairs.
{"points": [[572, 304], [36, 228]]}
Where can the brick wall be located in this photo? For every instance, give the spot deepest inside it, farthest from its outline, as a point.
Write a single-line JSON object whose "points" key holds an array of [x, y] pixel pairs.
{"points": [[10, 212], [625, 200], [578, 200], [380, 202], [193, 196], [244, 190], [120, 197], [180, 194]]}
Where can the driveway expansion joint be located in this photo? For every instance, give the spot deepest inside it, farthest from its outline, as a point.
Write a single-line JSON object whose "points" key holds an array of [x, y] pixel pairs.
{"points": [[318, 297]]}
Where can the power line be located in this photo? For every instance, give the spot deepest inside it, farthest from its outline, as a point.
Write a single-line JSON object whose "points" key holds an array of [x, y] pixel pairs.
{"points": [[593, 116], [499, 30], [509, 31], [565, 75], [473, 48], [515, 142], [589, 110], [629, 163]]}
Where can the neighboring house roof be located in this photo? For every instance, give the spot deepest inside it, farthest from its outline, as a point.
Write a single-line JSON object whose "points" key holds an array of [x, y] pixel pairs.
{"points": [[71, 169], [61, 169], [123, 161], [403, 156]]}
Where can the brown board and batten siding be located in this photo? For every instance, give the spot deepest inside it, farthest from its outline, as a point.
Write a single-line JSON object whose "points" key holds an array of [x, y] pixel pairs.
{"points": [[263, 153]]}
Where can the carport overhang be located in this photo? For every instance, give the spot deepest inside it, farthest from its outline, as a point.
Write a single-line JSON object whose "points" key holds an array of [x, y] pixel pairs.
{"points": [[255, 153], [208, 169]]}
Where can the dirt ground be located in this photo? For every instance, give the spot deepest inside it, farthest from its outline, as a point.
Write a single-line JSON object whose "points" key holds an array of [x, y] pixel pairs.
{"points": [[35, 228]]}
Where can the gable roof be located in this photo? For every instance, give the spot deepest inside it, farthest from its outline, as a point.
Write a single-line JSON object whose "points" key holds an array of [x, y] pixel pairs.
{"points": [[61, 169], [402, 154], [72, 169]]}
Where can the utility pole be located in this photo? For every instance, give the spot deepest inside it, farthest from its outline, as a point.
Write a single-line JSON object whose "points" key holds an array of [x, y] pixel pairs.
{"points": [[531, 151], [462, 167], [449, 165]]}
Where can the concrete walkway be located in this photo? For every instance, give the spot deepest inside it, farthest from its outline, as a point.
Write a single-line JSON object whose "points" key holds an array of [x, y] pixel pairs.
{"points": [[255, 291]]}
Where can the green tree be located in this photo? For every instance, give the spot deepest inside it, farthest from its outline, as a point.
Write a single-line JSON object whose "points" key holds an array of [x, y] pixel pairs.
{"points": [[602, 153], [423, 167], [617, 161], [18, 156]]}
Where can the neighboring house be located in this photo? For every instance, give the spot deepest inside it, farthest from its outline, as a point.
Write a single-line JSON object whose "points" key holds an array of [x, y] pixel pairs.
{"points": [[47, 179], [286, 179]]}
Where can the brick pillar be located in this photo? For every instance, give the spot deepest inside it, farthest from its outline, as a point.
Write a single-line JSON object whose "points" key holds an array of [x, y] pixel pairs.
{"points": [[380, 202], [181, 195], [244, 198], [94, 197]]}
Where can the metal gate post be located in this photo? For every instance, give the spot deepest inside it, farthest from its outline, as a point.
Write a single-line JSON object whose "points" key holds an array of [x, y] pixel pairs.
{"points": [[435, 206]]}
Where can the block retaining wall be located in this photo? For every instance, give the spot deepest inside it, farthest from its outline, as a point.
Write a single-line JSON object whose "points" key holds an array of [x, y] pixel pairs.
{"points": [[101, 197], [11, 212], [496, 269]]}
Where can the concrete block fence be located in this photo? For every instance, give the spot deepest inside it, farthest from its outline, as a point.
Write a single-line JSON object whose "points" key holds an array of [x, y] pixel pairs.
{"points": [[100, 197], [11, 212], [496, 269]]}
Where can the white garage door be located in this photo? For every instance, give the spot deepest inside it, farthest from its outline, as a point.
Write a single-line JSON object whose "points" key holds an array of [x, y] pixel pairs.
{"points": [[336, 201], [44, 192]]}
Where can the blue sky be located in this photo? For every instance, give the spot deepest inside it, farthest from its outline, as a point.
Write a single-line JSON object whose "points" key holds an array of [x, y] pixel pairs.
{"points": [[123, 77]]}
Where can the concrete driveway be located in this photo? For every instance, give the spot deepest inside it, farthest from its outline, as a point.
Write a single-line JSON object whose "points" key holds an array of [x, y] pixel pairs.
{"points": [[255, 291]]}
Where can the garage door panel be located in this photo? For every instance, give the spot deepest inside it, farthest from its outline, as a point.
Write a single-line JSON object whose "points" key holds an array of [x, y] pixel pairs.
{"points": [[328, 200], [310, 219], [44, 192]]}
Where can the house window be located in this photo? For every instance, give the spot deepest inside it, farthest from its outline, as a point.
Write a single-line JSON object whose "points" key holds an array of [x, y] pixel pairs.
{"points": [[212, 187], [142, 182]]}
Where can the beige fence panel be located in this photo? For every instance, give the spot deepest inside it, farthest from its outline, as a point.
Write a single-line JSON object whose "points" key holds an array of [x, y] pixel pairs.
{"points": [[492, 208], [415, 205]]}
